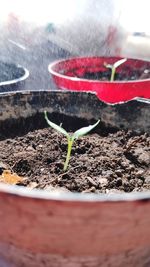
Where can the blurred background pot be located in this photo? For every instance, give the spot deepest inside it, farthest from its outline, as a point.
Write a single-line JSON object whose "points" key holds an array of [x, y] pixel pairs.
{"points": [[39, 228], [71, 74], [12, 76]]}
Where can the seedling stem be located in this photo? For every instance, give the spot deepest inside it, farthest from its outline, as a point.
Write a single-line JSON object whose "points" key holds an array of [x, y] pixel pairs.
{"points": [[113, 67], [70, 138]]}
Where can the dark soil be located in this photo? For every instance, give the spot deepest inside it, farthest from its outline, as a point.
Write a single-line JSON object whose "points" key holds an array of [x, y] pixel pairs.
{"points": [[10, 72], [108, 162], [105, 76], [127, 74]]}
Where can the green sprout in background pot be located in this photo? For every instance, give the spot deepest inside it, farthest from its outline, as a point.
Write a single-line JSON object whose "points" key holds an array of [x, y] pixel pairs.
{"points": [[70, 138], [113, 67]]}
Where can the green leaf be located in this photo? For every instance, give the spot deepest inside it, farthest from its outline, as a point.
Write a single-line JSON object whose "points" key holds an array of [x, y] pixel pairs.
{"points": [[84, 130], [55, 126], [109, 66], [119, 62]]}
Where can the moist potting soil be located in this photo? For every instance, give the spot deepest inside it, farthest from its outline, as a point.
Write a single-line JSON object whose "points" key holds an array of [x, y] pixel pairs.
{"points": [[105, 161]]}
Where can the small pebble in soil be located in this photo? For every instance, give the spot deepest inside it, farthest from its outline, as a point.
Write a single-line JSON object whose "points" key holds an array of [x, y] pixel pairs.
{"points": [[30, 148], [90, 190], [103, 182], [113, 191], [139, 173], [91, 181]]}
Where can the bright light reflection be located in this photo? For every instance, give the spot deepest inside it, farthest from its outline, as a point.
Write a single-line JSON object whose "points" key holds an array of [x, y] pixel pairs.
{"points": [[133, 14], [37, 11]]}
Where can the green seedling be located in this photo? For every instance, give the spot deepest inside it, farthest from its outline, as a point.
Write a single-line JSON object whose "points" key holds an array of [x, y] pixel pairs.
{"points": [[70, 138], [113, 67]]}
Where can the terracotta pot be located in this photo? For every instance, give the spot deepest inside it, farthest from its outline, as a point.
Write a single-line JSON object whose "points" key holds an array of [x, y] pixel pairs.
{"points": [[12, 76], [69, 74], [44, 229]]}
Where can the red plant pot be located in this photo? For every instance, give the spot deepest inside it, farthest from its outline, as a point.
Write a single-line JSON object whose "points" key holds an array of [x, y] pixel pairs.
{"points": [[69, 74]]}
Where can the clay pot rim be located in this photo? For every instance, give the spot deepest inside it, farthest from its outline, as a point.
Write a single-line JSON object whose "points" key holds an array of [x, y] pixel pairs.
{"points": [[72, 197], [22, 78]]}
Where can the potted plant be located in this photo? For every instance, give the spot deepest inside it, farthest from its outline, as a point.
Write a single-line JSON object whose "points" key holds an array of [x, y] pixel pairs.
{"points": [[56, 220], [132, 78], [12, 76]]}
